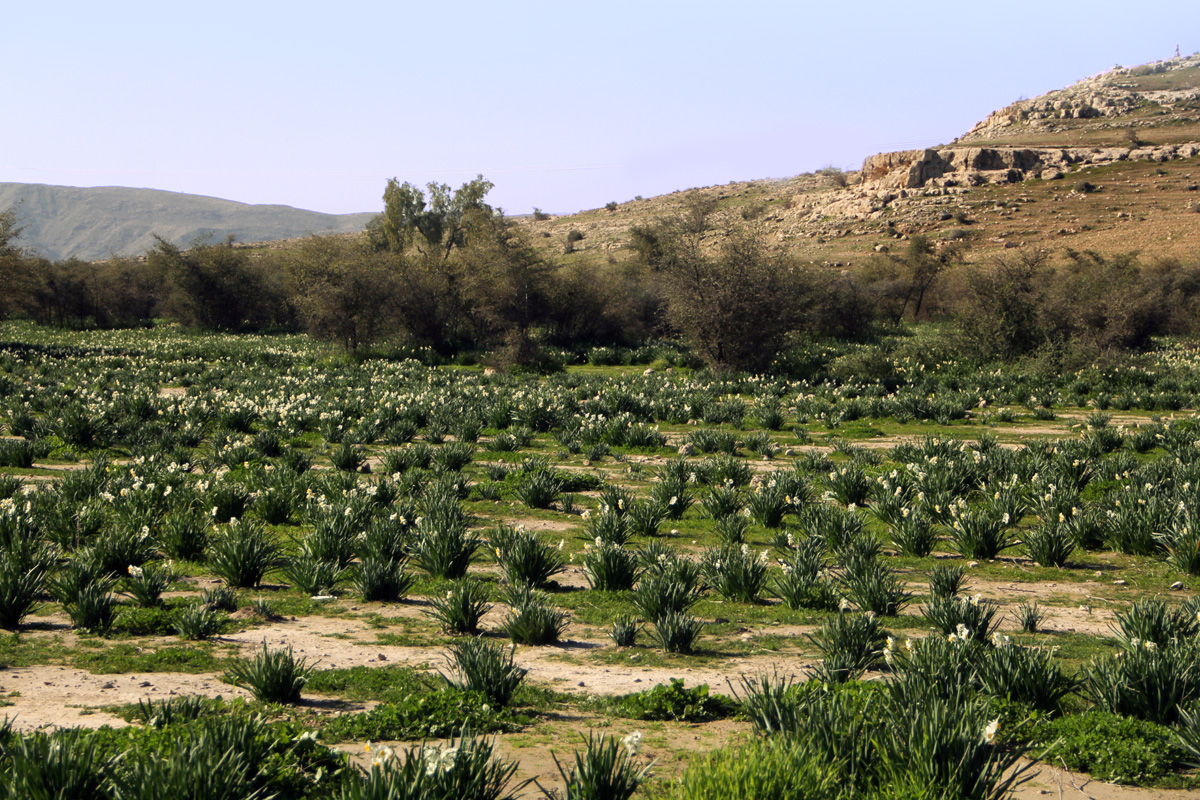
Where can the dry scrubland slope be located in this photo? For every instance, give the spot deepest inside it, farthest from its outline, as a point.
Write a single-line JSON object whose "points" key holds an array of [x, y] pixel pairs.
{"points": [[1015, 179]]}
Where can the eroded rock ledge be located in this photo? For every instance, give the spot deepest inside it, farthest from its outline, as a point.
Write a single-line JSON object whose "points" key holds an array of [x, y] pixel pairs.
{"points": [[974, 166]]}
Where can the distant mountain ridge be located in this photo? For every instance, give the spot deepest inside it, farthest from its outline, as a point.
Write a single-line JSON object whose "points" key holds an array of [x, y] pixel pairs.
{"points": [[96, 223]]}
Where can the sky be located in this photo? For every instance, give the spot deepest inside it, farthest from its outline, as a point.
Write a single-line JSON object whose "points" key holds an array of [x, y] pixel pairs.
{"points": [[564, 106]]}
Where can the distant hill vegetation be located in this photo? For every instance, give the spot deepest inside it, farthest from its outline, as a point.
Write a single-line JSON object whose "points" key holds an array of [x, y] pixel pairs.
{"points": [[90, 224]]}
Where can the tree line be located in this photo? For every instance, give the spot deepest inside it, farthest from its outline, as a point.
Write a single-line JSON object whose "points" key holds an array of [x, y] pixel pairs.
{"points": [[442, 269]]}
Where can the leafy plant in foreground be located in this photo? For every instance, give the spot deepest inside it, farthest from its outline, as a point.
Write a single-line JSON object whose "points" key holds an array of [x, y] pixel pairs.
{"points": [[604, 770]]}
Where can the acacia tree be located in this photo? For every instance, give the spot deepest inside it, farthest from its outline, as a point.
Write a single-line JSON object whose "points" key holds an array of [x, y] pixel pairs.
{"points": [[345, 291], [433, 224], [1000, 318], [16, 279], [903, 281], [216, 287], [424, 232], [733, 298]]}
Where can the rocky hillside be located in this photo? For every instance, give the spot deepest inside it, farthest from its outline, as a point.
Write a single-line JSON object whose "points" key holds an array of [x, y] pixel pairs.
{"points": [[1111, 164], [1122, 101], [64, 222]]}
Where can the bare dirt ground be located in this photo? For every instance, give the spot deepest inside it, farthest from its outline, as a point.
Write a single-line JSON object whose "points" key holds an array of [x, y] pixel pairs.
{"points": [[58, 696], [62, 697], [1049, 781]]}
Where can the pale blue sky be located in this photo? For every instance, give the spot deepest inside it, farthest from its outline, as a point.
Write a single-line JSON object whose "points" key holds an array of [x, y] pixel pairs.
{"points": [[564, 106]]}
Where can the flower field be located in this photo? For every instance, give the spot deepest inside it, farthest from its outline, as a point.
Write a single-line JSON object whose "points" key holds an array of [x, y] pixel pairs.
{"points": [[245, 566]]}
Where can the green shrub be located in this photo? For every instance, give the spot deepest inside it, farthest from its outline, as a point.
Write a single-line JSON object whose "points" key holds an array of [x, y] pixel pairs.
{"points": [[312, 576], [874, 586], [146, 584], [645, 517], [966, 618], [803, 582], [1026, 675], [671, 591], [944, 747], [93, 608], [422, 715], [382, 580], [625, 630], [946, 580], [1110, 748], [1049, 545], [722, 501], [219, 598], [1146, 681], [1029, 616], [849, 485], [445, 550], [1152, 620], [67, 764], [676, 632], [20, 587], [170, 710], [979, 533], [17, 453], [183, 535], [914, 534], [121, 547], [524, 559], [731, 531], [348, 457], [672, 702], [609, 528], [452, 456], [462, 769]]}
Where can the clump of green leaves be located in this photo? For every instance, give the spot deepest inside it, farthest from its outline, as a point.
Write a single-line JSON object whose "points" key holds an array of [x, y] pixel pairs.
{"points": [[272, 676], [1111, 748], [487, 668], [461, 608], [673, 702]]}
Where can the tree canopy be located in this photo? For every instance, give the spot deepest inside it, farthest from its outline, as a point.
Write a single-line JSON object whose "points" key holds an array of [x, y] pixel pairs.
{"points": [[434, 220]]}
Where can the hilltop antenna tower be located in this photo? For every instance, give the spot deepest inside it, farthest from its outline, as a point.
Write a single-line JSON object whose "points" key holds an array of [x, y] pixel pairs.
{"points": [[1177, 51]]}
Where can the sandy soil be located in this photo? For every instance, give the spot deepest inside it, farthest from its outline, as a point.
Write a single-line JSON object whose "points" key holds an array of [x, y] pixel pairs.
{"points": [[61, 697]]}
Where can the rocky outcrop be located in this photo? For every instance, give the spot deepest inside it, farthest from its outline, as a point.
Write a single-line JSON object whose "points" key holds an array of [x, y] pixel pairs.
{"points": [[1113, 94], [974, 166]]}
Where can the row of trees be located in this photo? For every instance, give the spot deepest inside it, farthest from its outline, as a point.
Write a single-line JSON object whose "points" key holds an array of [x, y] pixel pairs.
{"points": [[441, 268]]}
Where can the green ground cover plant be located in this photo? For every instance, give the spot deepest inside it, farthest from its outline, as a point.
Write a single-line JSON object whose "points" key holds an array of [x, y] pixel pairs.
{"points": [[182, 507]]}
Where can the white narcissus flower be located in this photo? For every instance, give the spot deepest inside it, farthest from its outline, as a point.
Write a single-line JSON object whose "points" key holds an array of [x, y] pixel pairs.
{"points": [[633, 743], [989, 733]]}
